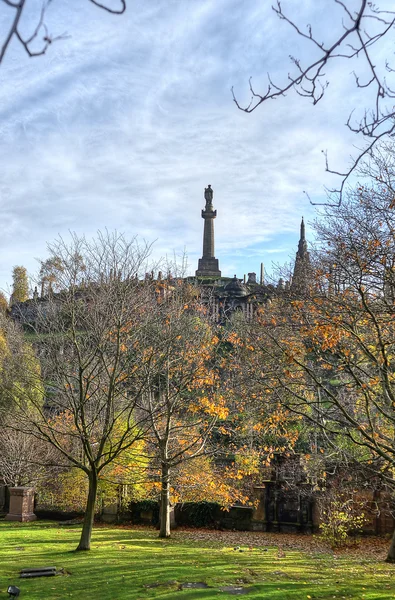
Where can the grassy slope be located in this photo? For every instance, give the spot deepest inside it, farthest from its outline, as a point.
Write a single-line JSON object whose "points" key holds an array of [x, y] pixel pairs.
{"points": [[123, 562]]}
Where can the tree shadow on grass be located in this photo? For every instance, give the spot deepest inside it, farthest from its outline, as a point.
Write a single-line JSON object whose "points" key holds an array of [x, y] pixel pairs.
{"points": [[126, 564]]}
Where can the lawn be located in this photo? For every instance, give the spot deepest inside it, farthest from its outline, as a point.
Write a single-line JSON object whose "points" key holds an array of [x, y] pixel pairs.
{"points": [[129, 563]]}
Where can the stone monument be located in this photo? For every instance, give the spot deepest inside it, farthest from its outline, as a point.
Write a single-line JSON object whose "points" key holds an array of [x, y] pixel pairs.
{"points": [[21, 504], [208, 264]]}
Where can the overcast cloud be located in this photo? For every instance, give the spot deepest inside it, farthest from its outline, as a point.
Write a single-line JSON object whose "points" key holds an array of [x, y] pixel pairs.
{"points": [[123, 125]]}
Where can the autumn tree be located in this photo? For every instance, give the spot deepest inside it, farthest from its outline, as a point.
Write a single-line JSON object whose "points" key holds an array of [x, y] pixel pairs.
{"points": [[66, 486], [3, 303], [20, 285], [331, 351], [184, 401], [50, 275], [261, 425], [90, 338], [360, 34]]}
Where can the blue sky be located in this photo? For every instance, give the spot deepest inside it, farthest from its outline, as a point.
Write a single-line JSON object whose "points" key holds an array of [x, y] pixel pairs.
{"points": [[123, 124]]}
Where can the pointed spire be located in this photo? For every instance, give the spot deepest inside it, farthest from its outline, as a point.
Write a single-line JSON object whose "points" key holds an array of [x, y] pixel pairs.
{"points": [[302, 246], [301, 274], [302, 231]]}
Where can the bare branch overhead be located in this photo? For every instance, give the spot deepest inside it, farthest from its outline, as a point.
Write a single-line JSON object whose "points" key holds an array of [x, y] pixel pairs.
{"points": [[41, 34], [115, 11], [359, 32]]}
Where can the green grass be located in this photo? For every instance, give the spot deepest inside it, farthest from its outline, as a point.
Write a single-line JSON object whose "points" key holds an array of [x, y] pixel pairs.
{"points": [[123, 562]]}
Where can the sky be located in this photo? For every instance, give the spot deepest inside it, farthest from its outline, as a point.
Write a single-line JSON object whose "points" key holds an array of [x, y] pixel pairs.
{"points": [[124, 123]]}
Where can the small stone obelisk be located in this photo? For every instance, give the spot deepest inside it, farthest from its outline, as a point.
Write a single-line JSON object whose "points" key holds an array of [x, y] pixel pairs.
{"points": [[208, 264]]}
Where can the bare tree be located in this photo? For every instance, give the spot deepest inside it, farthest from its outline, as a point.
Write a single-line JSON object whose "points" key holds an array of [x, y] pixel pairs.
{"points": [[38, 42], [24, 460], [90, 339], [359, 34]]}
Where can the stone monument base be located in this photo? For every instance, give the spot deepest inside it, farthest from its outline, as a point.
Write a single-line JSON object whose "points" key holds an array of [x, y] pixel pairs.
{"points": [[21, 504], [208, 267]]}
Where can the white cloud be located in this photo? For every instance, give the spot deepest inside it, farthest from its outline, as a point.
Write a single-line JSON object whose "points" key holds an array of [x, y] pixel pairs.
{"points": [[125, 123]]}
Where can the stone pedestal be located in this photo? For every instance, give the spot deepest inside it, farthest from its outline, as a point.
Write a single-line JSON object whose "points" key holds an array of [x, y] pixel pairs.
{"points": [[208, 267], [21, 504]]}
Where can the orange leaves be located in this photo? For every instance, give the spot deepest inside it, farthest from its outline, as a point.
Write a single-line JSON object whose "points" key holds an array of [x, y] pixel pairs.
{"points": [[234, 339], [213, 406], [200, 480]]}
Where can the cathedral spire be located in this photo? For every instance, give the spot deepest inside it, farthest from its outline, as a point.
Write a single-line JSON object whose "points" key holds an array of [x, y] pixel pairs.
{"points": [[208, 264], [302, 232], [302, 246], [301, 275]]}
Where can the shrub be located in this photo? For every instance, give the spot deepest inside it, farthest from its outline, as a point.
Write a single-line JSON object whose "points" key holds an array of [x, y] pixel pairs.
{"points": [[198, 514], [145, 506], [341, 516]]}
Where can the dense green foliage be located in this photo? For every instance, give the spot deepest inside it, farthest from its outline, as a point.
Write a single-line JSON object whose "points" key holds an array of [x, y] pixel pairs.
{"points": [[137, 510], [198, 514]]}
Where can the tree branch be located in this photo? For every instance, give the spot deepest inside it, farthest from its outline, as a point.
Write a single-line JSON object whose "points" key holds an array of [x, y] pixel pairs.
{"points": [[306, 81]]}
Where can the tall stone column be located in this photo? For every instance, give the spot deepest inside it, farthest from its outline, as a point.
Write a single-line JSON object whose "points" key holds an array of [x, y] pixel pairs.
{"points": [[208, 265]]}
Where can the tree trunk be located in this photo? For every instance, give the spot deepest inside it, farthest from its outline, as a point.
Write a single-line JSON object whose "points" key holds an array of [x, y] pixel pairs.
{"points": [[391, 552], [164, 531], [85, 540]]}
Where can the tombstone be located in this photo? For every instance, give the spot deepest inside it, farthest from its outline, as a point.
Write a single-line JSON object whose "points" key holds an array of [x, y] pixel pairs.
{"points": [[21, 504], [251, 278]]}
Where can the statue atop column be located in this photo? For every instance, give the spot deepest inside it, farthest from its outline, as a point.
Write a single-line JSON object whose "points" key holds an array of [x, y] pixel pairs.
{"points": [[208, 194]]}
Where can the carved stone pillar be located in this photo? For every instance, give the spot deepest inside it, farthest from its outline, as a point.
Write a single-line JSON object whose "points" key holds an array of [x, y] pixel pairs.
{"points": [[208, 265]]}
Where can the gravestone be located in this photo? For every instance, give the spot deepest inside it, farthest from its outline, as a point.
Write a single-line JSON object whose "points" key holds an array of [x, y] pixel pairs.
{"points": [[21, 504]]}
